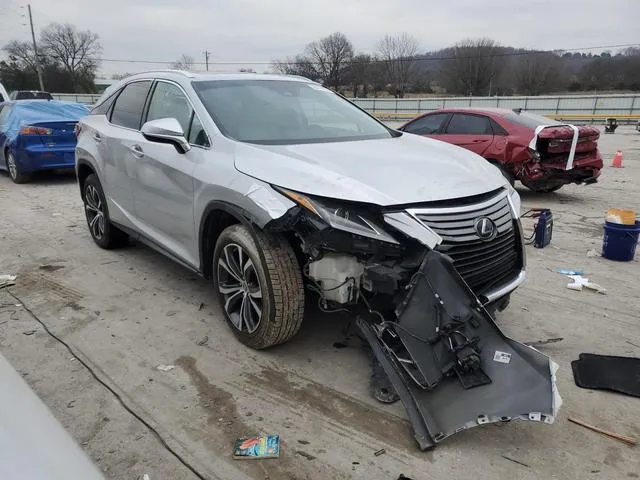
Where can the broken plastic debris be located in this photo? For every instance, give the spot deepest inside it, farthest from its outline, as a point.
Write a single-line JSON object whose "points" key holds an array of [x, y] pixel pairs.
{"points": [[580, 282], [566, 271], [7, 280], [165, 368]]}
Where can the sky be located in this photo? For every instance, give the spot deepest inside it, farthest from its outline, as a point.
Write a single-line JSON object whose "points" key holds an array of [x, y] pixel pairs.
{"points": [[257, 31]]}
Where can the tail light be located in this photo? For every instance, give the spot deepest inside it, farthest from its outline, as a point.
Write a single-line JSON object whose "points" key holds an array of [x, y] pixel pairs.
{"points": [[29, 130]]}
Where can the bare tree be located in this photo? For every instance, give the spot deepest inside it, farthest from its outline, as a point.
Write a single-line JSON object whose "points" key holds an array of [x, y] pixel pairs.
{"points": [[536, 72], [330, 56], [77, 52], [22, 53], [359, 73], [185, 62], [474, 66], [397, 54], [298, 65]]}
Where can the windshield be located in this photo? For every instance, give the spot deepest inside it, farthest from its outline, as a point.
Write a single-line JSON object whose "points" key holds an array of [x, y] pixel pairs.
{"points": [[275, 112], [530, 120]]}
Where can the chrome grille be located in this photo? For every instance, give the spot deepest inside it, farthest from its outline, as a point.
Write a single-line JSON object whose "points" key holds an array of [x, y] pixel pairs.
{"points": [[482, 264]]}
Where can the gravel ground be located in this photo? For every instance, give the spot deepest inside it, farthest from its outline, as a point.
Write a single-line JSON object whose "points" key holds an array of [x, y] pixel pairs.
{"points": [[114, 316]]}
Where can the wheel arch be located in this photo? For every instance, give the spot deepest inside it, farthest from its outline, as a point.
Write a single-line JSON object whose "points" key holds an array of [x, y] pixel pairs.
{"points": [[83, 170], [216, 217]]}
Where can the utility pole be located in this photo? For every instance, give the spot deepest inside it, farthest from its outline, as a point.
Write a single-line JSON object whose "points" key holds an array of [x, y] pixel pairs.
{"points": [[206, 58], [35, 50]]}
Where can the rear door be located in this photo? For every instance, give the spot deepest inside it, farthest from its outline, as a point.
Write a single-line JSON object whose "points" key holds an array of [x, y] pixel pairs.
{"points": [[117, 140], [163, 182], [469, 130]]}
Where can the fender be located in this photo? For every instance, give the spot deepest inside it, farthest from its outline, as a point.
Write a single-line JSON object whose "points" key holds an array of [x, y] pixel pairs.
{"points": [[204, 245]]}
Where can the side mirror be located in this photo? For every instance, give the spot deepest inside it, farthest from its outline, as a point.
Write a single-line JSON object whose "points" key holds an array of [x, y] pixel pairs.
{"points": [[166, 130]]}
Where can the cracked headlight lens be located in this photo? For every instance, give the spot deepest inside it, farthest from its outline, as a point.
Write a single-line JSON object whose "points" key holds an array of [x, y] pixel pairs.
{"points": [[341, 217]]}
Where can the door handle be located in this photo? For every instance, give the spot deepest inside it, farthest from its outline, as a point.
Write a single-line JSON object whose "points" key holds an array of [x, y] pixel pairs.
{"points": [[478, 140], [97, 137], [137, 151]]}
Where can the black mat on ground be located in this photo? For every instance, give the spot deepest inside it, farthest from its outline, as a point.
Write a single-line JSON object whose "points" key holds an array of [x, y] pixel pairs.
{"points": [[603, 372]]}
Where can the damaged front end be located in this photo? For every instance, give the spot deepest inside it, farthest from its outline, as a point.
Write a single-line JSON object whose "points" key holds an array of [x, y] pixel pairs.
{"points": [[419, 280]]}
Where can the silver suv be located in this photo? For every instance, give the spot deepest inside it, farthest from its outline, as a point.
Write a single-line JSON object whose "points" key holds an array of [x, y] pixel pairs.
{"points": [[270, 185]]}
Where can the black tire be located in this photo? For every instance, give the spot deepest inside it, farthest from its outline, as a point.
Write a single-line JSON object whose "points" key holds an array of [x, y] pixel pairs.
{"points": [[271, 267], [14, 169], [542, 189], [104, 233]]}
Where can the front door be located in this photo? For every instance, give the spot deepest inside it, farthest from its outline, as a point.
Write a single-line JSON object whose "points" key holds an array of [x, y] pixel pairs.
{"points": [[164, 177]]}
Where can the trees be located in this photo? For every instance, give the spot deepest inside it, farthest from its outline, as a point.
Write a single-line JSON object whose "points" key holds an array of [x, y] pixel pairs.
{"points": [[473, 67], [76, 52], [397, 54], [536, 72], [298, 65], [185, 62], [69, 60], [359, 73], [331, 56]]}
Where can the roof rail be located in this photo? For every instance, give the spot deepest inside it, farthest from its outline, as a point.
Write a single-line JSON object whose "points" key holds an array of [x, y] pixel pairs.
{"points": [[168, 70]]}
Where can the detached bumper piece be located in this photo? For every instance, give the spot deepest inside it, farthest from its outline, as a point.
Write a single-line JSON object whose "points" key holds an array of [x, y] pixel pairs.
{"points": [[452, 366]]}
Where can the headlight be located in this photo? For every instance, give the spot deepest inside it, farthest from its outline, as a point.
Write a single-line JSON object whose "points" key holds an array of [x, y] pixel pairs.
{"points": [[341, 217], [514, 200]]}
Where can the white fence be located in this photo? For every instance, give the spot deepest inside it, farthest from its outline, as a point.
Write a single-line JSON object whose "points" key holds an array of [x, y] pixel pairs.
{"points": [[624, 107]]}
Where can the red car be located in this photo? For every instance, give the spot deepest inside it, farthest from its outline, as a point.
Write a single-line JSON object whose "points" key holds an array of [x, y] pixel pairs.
{"points": [[533, 149]]}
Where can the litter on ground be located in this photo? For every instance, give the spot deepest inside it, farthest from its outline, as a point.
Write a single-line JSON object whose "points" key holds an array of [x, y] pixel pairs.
{"points": [[165, 368]]}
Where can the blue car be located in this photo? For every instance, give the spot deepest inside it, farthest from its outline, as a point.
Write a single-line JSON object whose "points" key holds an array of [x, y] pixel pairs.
{"points": [[38, 135]]}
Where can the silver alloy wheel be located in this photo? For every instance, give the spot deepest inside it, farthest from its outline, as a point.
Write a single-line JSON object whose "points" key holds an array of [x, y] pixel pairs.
{"points": [[94, 210], [11, 164], [239, 285]]}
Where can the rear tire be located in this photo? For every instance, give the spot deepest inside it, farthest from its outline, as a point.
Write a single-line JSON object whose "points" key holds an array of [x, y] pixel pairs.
{"points": [[14, 169], [103, 232], [259, 285]]}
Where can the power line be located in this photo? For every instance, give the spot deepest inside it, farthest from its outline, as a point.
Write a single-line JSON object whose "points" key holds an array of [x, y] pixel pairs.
{"points": [[428, 59]]}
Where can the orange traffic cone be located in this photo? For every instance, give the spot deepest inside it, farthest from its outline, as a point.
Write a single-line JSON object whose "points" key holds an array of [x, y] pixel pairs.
{"points": [[617, 160]]}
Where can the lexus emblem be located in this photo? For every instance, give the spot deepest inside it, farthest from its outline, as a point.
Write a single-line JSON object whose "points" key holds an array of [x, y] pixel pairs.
{"points": [[485, 229]]}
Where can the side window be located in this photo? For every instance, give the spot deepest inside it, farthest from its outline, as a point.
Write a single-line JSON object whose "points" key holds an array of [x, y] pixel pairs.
{"points": [[426, 125], [4, 114], [497, 129], [462, 123], [197, 135], [127, 110], [103, 108], [168, 101]]}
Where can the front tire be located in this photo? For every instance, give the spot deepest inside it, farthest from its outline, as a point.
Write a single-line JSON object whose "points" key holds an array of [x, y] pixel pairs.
{"points": [[14, 169], [259, 285], [103, 232]]}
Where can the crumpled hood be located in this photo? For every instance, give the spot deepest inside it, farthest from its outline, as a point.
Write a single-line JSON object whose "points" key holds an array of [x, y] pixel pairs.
{"points": [[393, 171]]}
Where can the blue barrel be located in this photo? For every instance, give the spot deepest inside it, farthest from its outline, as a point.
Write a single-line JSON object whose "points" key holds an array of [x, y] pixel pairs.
{"points": [[620, 241]]}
